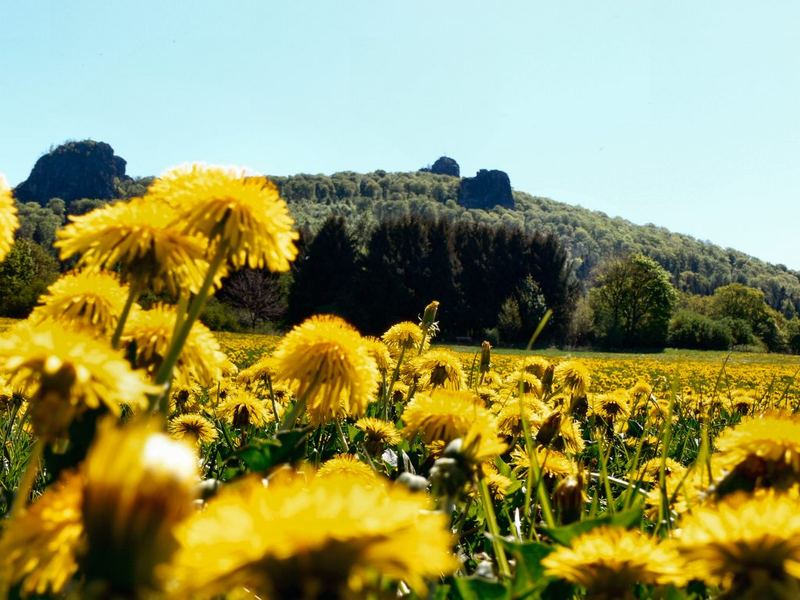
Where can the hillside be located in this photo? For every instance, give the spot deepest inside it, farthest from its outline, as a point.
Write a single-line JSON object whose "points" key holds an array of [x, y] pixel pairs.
{"points": [[436, 192], [591, 236]]}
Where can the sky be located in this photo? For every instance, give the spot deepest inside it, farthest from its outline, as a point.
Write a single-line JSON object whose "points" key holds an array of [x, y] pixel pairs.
{"points": [[684, 114]]}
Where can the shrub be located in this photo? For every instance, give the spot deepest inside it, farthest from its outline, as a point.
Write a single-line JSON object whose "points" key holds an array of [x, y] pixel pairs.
{"points": [[692, 330]]}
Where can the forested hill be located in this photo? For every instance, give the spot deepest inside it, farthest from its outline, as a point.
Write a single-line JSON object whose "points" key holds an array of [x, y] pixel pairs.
{"points": [[86, 174], [591, 236]]}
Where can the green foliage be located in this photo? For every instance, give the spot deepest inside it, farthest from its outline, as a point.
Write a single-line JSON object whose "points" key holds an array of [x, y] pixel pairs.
{"points": [[24, 275], [39, 223], [633, 303], [747, 305], [219, 316], [689, 329]]}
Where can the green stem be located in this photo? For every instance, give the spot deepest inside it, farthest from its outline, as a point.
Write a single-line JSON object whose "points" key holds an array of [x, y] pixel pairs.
{"points": [[195, 307], [28, 479], [133, 294], [491, 523], [290, 417], [342, 436]]}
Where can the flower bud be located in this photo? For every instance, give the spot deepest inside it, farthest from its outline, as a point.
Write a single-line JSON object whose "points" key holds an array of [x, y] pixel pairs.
{"points": [[549, 429], [486, 357], [568, 498]]}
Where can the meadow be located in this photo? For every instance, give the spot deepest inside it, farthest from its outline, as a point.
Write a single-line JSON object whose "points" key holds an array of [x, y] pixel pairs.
{"points": [[145, 456]]}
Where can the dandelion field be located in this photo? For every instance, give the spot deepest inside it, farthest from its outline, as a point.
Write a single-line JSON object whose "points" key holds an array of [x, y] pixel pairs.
{"points": [[147, 457]]}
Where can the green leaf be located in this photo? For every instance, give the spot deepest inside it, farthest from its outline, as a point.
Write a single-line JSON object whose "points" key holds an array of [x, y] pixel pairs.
{"points": [[565, 535], [529, 579], [288, 446], [256, 459]]}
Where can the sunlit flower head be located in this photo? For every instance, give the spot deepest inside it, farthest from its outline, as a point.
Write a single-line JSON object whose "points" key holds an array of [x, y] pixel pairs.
{"points": [[573, 376], [258, 372], [609, 561], [378, 433], [749, 545], [525, 383], [228, 207], [348, 465], [137, 236], [509, 415], [443, 415], [139, 484], [379, 352], [66, 372], [88, 299], [329, 362], [611, 406], [650, 470], [763, 449], [553, 464], [242, 409], [436, 369], [742, 401], [326, 537], [498, 483], [535, 365], [40, 547], [403, 336], [193, 428], [201, 359], [9, 220]]}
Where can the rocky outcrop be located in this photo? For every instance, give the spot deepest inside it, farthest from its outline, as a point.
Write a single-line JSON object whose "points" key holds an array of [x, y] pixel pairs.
{"points": [[489, 188], [74, 170], [444, 165]]}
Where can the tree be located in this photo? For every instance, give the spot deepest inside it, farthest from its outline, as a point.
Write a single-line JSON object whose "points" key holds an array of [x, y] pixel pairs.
{"points": [[24, 275], [259, 293], [633, 303], [744, 304]]}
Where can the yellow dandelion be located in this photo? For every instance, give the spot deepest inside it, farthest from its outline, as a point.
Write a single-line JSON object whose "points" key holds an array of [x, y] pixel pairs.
{"points": [[91, 299], [201, 360], [609, 561], [683, 492], [552, 464], [65, 373], [378, 433], [750, 546], [379, 352], [332, 367], [185, 399], [260, 370], [764, 449], [651, 469], [742, 401], [9, 220], [139, 484], [443, 415], [525, 382], [348, 465], [436, 369], [573, 376], [641, 390], [137, 235], [611, 406], [40, 548], [192, 427], [324, 538], [403, 336], [242, 409], [509, 415], [226, 206], [535, 365], [498, 484], [482, 443]]}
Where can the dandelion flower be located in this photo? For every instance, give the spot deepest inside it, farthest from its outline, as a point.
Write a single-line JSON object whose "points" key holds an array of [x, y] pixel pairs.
{"points": [[40, 547], [260, 370], [65, 373], [137, 235], [322, 538], [192, 427], [242, 409], [329, 362], [226, 206], [610, 406], [403, 336], [89, 299], [610, 561], [348, 465], [750, 546], [764, 450], [9, 220], [379, 352], [573, 376], [378, 433], [437, 368], [552, 463], [201, 359], [139, 484], [443, 415], [535, 365]]}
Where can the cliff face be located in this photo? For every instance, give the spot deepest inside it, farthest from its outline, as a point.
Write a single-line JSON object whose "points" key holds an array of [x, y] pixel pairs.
{"points": [[486, 190], [75, 170]]}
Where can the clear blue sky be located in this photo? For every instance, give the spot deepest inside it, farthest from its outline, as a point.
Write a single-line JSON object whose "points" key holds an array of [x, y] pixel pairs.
{"points": [[684, 114]]}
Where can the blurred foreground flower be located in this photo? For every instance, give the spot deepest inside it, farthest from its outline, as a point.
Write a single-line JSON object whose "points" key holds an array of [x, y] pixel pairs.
{"points": [[319, 539], [9, 220]]}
